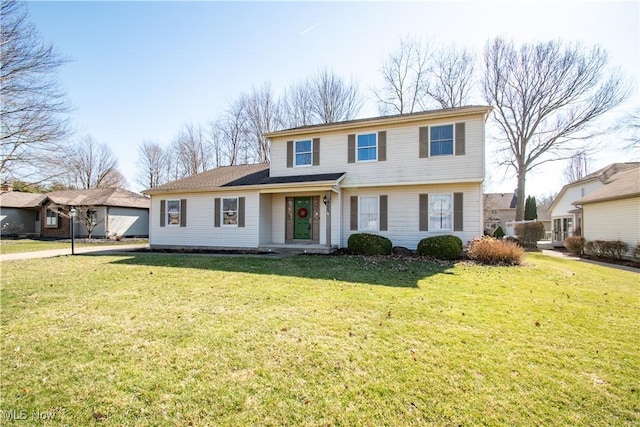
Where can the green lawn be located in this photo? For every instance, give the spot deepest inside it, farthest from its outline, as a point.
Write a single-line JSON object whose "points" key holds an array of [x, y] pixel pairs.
{"points": [[152, 339], [11, 246]]}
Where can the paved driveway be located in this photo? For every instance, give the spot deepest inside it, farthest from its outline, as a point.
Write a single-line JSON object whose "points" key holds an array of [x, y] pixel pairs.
{"points": [[81, 250]]}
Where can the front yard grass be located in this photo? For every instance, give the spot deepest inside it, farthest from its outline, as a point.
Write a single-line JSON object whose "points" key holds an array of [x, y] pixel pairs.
{"points": [[154, 339], [12, 246]]}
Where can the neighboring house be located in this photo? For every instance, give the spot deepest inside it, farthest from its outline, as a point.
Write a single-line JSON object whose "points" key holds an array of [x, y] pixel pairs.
{"points": [[498, 209], [612, 212], [404, 177], [20, 213], [115, 212], [567, 218], [544, 216]]}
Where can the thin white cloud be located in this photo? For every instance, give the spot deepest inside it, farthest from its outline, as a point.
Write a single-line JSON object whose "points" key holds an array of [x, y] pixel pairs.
{"points": [[305, 31]]}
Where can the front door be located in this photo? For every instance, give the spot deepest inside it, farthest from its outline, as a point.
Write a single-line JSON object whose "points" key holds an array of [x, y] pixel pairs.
{"points": [[302, 218]]}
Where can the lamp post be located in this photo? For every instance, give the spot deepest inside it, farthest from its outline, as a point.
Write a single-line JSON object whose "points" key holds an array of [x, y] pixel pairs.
{"points": [[72, 213]]}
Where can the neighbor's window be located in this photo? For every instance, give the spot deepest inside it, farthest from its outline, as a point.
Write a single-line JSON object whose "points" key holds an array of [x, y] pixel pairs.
{"points": [[230, 211], [173, 212], [303, 153], [368, 209], [441, 140], [367, 147], [52, 218], [440, 212]]}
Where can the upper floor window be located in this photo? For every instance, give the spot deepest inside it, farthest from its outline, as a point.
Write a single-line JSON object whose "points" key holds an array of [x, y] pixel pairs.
{"points": [[441, 140], [230, 211], [52, 218], [303, 153], [173, 212], [367, 147]]}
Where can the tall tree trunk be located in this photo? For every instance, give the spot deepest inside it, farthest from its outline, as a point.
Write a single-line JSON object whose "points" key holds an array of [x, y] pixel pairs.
{"points": [[520, 195]]}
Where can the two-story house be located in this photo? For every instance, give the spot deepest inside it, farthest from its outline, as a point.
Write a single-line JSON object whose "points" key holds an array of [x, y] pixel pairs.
{"points": [[405, 177]]}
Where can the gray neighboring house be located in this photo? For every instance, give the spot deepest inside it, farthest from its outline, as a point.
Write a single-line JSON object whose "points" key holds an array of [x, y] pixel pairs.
{"points": [[20, 213], [499, 208], [116, 212]]}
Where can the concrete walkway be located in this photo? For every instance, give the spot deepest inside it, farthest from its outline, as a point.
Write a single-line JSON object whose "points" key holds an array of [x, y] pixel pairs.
{"points": [[564, 255], [78, 250]]}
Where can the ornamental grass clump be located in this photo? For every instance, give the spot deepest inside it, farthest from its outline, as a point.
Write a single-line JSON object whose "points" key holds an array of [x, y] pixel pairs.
{"points": [[488, 250]]}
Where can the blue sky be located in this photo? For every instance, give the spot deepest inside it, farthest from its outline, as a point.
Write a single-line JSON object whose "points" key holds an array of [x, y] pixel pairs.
{"points": [[140, 70]]}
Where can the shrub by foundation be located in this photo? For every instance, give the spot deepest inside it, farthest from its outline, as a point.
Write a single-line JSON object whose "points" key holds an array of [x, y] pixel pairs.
{"points": [[607, 249], [369, 244], [574, 244], [442, 247]]}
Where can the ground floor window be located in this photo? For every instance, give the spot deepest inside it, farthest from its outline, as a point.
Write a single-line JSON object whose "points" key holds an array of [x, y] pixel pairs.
{"points": [[51, 218], [441, 212], [230, 211], [368, 214]]}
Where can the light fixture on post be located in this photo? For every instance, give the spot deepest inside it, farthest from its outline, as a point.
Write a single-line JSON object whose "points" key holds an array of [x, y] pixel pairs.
{"points": [[72, 216]]}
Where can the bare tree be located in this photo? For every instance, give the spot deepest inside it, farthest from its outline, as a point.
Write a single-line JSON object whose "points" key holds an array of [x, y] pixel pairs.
{"points": [[632, 131], [334, 99], [546, 96], [153, 164], [323, 98], [262, 113], [87, 216], [191, 150], [93, 165], [33, 122], [297, 105], [231, 130], [450, 76], [403, 78], [577, 167]]}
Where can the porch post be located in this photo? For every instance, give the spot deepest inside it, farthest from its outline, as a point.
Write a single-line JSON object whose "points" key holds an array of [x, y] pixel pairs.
{"points": [[327, 202]]}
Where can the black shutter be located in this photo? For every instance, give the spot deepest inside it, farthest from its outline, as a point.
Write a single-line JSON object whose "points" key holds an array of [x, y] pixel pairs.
{"points": [[183, 212], [423, 141], [423, 212], [316, 151], [382, 146], [240, 211], [383, 213], [289, 154], [216, 212], [354, 212], [351, 148], [457, 212], [163, 212], [460, 137]]}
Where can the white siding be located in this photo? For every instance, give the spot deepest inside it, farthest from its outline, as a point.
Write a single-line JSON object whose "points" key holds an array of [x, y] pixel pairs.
{"points": [[403, 164], [265, 233], [572, 193], [613, 220], [403, 212], [200, 230]]}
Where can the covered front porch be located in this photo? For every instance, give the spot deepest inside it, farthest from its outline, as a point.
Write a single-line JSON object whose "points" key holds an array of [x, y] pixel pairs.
{"points": [[300, 216]]}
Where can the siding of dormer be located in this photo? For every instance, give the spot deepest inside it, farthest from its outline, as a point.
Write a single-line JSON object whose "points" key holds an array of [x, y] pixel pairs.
{"points": [[403, 164]]}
